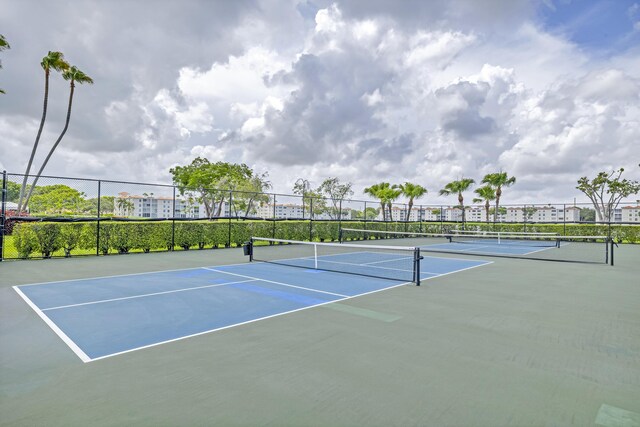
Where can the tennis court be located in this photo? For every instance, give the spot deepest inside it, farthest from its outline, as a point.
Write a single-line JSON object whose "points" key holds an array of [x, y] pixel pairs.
{"points": [[107, 316], [209, 338]]}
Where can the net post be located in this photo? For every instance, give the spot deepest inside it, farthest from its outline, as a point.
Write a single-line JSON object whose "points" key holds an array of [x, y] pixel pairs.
{"points": [[340, 235], [251, 249], [612, 244], [315, 256], [416, 266]]}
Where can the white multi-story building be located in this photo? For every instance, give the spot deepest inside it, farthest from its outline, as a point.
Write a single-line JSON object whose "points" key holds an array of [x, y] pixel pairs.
{"points": [[542, 214], [148, 206], [630, 213], [293, 211]]}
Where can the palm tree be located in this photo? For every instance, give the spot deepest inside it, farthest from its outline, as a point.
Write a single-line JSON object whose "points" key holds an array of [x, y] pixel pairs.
{"points": [[3, 46], [486, 194], [458, 187], [412, 191], [377, 191], [498, 180], [53, 61], [389, 195], [74, 75]]}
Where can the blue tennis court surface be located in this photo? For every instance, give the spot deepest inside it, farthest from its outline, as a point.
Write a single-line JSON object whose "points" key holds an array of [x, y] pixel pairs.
{"points": [[103, 317]]}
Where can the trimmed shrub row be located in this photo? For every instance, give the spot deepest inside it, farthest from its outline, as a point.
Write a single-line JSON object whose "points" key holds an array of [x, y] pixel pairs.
{"points": [[47, 239]]}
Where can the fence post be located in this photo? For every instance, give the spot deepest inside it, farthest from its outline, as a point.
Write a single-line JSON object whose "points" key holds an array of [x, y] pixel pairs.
{"points": [[365, 215], [564, 222], [311, 219], [3, 212], [230, 205], [340, 216], [173, 219], [441, 216], [273, 231], [98, 220]]}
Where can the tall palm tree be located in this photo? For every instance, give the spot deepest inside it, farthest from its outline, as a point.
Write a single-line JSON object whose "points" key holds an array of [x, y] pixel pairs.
{"points": [[412, 191], [486, 194], [377, 191], [389, 195], [458, 187], [3, 46], [53, 61], [74, 75], [498, 180]]}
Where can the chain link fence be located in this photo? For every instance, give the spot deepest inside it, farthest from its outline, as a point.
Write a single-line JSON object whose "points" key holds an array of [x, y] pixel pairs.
{"points": [[67, 217]]}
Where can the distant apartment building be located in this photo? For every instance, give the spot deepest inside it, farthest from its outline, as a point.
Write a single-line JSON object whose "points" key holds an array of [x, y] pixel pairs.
{"points": [[148, 206], [630, 213], [293, 211], [542, 214]]}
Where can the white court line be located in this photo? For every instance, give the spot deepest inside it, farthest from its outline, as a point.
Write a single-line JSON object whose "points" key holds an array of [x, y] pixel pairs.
{"points": [[277, 283], [147, 295], [72, 345]]}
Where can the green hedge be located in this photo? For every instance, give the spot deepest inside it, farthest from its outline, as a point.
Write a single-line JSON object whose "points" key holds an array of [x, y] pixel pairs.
{"points": [[47, 239]]}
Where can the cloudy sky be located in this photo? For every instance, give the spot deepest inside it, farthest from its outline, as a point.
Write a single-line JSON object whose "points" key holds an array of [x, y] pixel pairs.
{"points": [[368, 91]]}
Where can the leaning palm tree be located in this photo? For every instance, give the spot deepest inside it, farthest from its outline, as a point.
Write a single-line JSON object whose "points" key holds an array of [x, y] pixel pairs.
{"points": [[498, 180], [74, 75], [412, 191], [377, 191], [53, 61], [458, 187], [486, 194], [3, 46]]}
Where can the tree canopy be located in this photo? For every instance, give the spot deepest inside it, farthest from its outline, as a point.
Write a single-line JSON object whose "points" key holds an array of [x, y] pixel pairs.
{"points": [[607, 190], [210, 183]]}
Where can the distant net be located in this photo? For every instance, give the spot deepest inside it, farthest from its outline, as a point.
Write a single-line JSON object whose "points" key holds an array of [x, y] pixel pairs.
{"points": [[502, 233], [387, 262], [538, 246]]}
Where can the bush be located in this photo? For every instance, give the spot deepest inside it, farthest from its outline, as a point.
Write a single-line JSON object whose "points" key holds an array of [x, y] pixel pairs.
{"points": [[48, 237], [24, 239], [70, 236]]}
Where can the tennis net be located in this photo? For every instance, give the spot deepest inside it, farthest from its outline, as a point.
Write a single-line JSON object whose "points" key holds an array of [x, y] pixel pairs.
{"points": [[399, 263], [583, 249]]}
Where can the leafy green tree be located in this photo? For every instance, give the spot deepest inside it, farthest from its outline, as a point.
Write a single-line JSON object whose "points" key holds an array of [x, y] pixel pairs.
{"points": [[13, 191], [485, 194], [53, 61], [209, 183], [302, 187], [57, 199], [587, 215], [3, 46], [412, 192], [606, 191], [498, 180], [73, 75], [251, 191], [336, 192], [458, 187]]}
